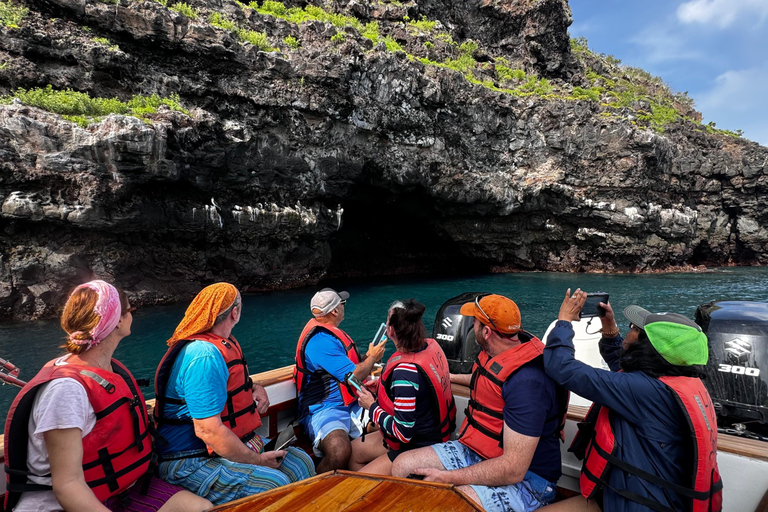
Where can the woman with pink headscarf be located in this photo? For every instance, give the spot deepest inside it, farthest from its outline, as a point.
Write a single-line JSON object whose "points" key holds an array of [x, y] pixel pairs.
{"points": [[77, 435]]}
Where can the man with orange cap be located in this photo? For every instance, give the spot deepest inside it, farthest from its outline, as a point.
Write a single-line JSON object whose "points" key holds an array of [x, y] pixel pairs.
{"points": [[208, 408], [507, 457]]}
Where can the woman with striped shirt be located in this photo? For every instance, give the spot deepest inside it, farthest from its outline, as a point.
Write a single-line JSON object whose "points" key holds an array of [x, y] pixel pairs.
{"points": [[415, 418]]}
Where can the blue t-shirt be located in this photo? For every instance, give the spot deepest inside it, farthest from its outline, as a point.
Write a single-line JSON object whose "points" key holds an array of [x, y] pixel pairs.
{"points": [[531, 409], [199, 376], [324, 352]]}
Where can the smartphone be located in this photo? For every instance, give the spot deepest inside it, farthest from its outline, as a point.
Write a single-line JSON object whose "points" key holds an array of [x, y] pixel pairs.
{"points": [[281, 441], [414, 476], [354, 382], [381, 335], [592, 305]]}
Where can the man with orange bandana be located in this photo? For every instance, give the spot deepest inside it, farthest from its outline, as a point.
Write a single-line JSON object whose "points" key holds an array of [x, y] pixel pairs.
{"points": [[208, 408], [507, 457]]}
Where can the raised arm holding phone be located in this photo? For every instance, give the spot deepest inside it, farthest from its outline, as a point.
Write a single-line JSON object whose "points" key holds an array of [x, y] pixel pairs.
{"points": [[646, 418]]}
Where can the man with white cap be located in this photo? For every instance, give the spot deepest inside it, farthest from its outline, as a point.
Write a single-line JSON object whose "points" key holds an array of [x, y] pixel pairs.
{"points": [[650, 440], [326, 359]]}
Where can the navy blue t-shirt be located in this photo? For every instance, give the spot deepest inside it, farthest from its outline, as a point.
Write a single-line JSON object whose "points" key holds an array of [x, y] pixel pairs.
{"points": [[529, 399]]}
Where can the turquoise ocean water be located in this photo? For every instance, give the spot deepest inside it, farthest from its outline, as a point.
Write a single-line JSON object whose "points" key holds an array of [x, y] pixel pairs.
{"points": [[271, 322]]}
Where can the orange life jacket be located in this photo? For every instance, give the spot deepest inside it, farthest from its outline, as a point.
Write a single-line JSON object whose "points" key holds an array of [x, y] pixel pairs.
{"points": [[116, 453], [483, 427], [432, 365], [239, 413], [300, 372], [704, 488]]}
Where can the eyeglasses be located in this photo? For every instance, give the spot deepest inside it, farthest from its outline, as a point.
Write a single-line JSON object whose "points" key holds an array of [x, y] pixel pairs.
{"points": [[342, 303], [477, 303], [633, 326]]}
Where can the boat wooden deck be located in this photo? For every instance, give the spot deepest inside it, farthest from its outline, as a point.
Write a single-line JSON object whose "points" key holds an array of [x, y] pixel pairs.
{"points": [[349, 492]]}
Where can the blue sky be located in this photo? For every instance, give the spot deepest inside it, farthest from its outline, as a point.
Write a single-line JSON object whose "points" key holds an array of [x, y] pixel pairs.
{"points": [[717, 50]]}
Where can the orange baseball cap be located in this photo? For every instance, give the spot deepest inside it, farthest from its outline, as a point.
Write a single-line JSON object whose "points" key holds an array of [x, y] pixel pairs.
{"points": [[495, 311]]}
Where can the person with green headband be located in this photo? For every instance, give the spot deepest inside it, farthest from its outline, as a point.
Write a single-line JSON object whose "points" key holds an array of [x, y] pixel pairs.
{"points": [[650, 440]]}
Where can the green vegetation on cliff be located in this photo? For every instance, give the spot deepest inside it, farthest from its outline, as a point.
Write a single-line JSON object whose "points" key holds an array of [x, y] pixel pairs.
{"points": [[185, 9], [82, 109], [655, 104], [257, 39], [106, 42], [618, 90], [11, 15]]}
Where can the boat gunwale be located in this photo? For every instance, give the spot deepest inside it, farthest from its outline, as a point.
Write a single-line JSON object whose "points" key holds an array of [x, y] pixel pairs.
{"points": [[744, 447]]}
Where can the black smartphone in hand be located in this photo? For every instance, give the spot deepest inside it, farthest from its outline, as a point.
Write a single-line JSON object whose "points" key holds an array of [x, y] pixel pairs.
{"points": [[592, 306]]}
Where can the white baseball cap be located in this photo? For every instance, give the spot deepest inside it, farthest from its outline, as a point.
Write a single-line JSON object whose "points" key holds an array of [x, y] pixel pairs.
{"points": [[326, 300]]}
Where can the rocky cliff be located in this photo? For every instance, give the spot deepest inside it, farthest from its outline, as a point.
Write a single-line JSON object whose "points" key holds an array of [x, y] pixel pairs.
{"points": [[272, 145]]}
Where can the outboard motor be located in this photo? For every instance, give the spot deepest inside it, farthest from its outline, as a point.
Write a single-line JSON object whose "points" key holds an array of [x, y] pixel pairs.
{"points": [[455, 333], [737, 371]]}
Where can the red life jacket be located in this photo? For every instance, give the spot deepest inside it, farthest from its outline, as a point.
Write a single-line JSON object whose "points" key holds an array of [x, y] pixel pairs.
{"points": [[239, 413], [116, 453], [483, 427], [432, 365], [705, 487], [300, 373]]}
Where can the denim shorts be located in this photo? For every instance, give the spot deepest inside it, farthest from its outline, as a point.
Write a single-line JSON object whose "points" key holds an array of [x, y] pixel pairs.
{"points": [[323, 422], [532, 493]]}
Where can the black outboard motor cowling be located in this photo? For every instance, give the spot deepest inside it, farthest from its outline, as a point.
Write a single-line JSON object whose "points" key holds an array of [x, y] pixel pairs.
{"points": [[455, 333], [737, 371]]}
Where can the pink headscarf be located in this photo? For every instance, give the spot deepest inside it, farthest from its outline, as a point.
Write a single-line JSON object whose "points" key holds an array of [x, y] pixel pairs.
{"points": [[107, 307]]}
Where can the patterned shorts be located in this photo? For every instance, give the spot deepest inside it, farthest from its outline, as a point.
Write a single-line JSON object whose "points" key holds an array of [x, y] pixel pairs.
{"points": [[532, 493], [220, 480]]}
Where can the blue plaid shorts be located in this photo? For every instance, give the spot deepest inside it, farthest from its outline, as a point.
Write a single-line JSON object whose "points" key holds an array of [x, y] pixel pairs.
{"points": [[220, 480]]}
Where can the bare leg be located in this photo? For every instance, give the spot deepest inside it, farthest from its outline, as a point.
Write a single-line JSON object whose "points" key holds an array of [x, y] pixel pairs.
{"points": [[336, 449], [185, 501], [575, 504], [471, 494], [420, 458], [381, 465], [365, 452]]}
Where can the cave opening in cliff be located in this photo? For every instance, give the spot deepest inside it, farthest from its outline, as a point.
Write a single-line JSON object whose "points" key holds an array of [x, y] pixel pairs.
{"points": [[385, 232]]}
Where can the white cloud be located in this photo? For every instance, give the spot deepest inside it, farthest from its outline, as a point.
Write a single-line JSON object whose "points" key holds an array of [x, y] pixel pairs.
{"points": [[663, 43], [721, 12], [737, 101]]}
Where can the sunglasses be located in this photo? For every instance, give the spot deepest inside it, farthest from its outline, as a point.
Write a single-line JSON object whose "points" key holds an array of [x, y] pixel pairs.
{"points": [[342, 303], [633, 326], [126, 311], [477, 304]]}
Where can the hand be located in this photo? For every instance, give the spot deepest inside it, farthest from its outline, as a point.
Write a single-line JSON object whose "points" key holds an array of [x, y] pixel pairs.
{"points": [[608, 321], [432, 474], [365, 399], [372, 385], [376, 351], [571, 306], [273, 459], [260, 396]]}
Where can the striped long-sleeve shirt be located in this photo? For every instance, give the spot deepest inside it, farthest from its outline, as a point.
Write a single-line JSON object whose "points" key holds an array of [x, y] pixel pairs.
{"points": [[415, 411]]}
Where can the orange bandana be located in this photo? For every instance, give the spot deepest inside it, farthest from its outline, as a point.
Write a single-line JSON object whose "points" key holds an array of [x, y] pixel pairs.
{"points": [[201, 314]]}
